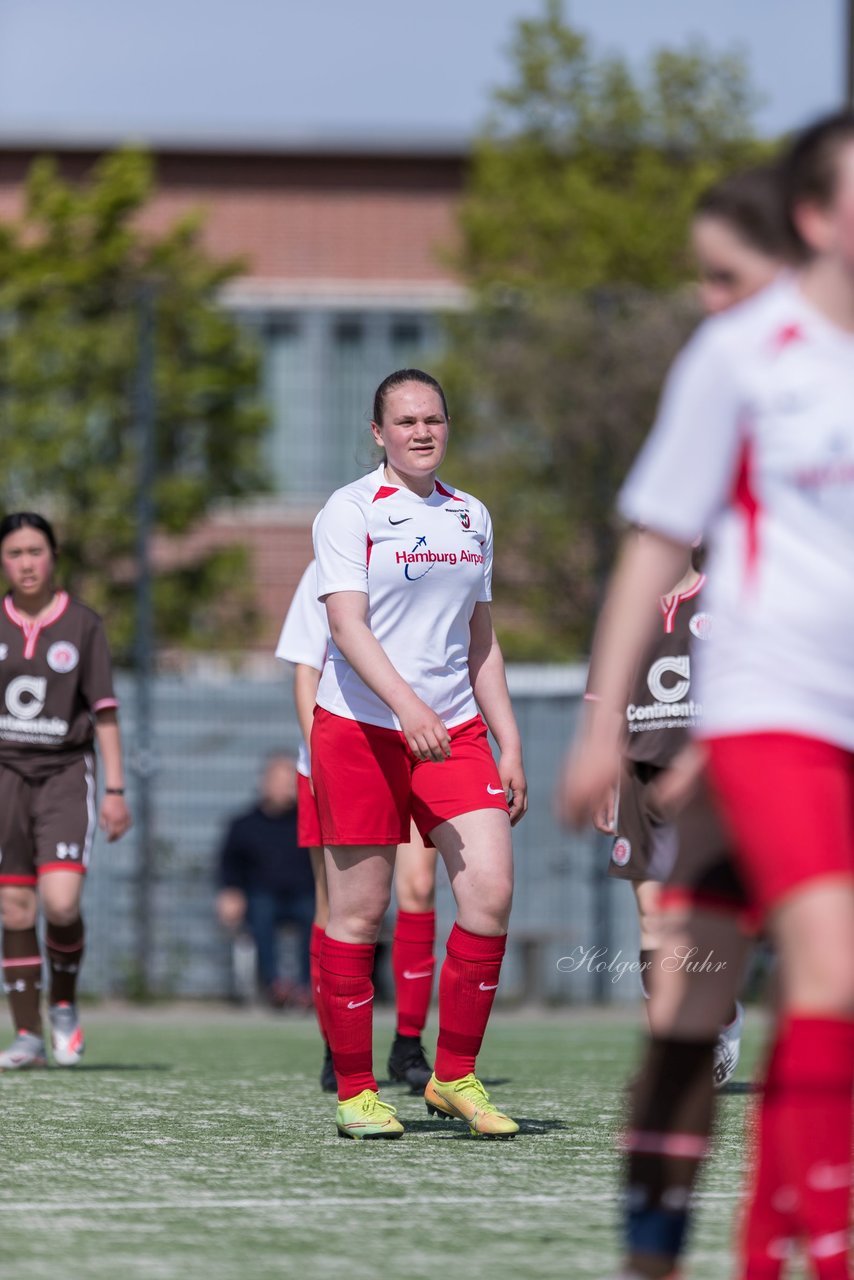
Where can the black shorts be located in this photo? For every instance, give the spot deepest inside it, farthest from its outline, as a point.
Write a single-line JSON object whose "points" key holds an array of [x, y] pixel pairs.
{"points": [[47, 824], [706, 873], [691, 856], [645, 846]]}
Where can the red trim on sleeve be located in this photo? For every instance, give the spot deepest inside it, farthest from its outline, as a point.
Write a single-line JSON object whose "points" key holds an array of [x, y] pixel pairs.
{"points": [[370, 548], [62, 866], [27, 880], [105, 703]]}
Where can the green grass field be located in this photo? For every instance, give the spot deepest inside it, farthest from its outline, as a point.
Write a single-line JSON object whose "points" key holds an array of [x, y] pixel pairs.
{"points": [[198, 1144]]}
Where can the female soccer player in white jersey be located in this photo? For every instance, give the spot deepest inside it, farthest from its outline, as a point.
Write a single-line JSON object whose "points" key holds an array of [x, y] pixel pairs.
{"points": [[754, 444], [740, 242], [57, 691], [303, 643], [404, 566]]}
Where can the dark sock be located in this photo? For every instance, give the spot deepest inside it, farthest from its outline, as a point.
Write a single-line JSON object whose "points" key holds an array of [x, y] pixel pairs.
{"points": [[64, 944], [22, 978], [646, 955], [670, 1122]]}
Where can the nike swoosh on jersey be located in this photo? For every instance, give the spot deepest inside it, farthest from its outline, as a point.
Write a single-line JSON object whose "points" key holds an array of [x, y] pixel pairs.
{"points": [[495, 791], [403, 521], [427, 974], [357, 1004], [484, 987]]}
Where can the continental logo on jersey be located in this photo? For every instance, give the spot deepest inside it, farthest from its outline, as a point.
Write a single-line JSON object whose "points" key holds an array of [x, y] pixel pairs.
{"points": [[701, 625], [62, 657], [668, 680]]}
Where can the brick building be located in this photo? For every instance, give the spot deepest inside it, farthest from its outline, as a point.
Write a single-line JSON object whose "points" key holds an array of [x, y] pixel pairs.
{"points": [[347, 276]]}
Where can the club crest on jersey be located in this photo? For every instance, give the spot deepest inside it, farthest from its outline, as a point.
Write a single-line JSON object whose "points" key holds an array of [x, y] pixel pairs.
{"points": [[62, 657], [701, 625], [621, 852], [462, 515]]}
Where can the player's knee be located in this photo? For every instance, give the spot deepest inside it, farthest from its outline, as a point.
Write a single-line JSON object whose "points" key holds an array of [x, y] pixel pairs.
{"points": [[417, 893], [17, 910], [61, 913]]}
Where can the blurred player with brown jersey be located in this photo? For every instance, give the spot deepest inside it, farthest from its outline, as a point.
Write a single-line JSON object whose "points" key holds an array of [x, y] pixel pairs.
{"points": [[57, 696]]}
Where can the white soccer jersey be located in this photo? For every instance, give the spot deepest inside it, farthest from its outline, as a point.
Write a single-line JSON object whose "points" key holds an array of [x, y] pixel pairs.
{"points": [[424, 563], [754, 446], [304, 638]]}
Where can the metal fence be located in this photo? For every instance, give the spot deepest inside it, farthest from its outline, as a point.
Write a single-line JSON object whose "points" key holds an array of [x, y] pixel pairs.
{"points": [[212, 731]]}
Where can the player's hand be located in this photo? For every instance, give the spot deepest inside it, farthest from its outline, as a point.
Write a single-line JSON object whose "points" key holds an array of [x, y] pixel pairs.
{"points": [[425, 734], [590, 770], [230, 908], [512, 775], [115, 817], [605, 817], [671, 792]]}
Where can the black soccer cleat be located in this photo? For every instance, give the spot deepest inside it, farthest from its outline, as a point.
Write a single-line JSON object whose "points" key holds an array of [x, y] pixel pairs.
{"points": [[407, 1063], [328, 1083]]}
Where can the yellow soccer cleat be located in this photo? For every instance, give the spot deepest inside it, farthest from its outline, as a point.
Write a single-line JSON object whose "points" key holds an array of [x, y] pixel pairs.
{"points": [[366, 1117], [466, 1099]]}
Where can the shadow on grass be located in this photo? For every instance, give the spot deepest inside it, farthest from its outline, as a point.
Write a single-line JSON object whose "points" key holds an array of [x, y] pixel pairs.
{"points": [[739, 1086], [457, 1129], [111, 1066]]}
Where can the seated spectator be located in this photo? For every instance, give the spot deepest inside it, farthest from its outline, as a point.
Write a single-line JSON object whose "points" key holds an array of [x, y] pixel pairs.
{"points": [[265, 880]]}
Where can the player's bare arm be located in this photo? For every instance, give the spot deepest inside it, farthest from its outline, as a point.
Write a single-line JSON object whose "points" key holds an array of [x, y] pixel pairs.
{"points": [[115, 817], [489, 682], [646, 568], [425, 733]]}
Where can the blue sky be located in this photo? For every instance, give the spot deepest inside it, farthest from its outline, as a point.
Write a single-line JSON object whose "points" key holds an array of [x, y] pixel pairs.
{"points": [[276, 69]]}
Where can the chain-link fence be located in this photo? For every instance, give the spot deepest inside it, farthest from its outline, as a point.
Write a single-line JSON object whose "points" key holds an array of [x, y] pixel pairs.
{"points": [[211, 733]]}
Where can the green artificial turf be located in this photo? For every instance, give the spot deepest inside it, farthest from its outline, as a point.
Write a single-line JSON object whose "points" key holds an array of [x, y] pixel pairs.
{"points": [[193, 1143]]}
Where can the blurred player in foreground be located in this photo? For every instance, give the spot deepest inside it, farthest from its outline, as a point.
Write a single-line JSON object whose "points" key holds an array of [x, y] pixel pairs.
{"points": [[303, 642], [58, 698], [739, 240], [404, 567], [754, 444]]}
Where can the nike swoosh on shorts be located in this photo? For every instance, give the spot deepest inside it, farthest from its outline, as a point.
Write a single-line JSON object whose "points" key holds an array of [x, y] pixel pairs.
{"points": [[495, 791]]}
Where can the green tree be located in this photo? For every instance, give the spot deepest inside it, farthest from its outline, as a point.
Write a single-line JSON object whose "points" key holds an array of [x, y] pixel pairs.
{"points": [[573, 245], [72, 268]]}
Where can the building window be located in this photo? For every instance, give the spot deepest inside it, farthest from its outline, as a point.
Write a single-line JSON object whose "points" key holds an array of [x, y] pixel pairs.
{"points": [[320, 368]]}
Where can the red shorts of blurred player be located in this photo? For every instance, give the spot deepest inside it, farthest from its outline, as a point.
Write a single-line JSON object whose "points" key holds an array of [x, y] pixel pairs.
{"points": [[308, 819], [788, 802], [368, 783]]}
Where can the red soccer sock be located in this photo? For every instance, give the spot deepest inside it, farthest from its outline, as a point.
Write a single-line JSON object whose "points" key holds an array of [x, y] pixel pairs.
{"points": [[467, 986], [769, 1229], [347, 996], [413, 962], [317, 936], [807, 1137]]}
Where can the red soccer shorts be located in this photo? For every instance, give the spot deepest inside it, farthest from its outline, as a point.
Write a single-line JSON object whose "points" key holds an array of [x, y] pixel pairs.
{"points": [[368, 783], [789, 803], [308, 819]]}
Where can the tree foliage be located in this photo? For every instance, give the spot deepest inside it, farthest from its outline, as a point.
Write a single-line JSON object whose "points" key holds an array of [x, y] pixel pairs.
{"points": [[72, 270], [573, 245]]}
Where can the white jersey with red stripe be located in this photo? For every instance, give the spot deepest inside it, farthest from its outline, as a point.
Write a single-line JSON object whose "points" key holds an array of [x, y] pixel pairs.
{"points": [[304, 638], [424, 563], [754, 447]]}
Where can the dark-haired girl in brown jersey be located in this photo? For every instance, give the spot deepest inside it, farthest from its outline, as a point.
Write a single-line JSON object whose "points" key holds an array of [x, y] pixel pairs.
{"points": [[56, 699]]}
